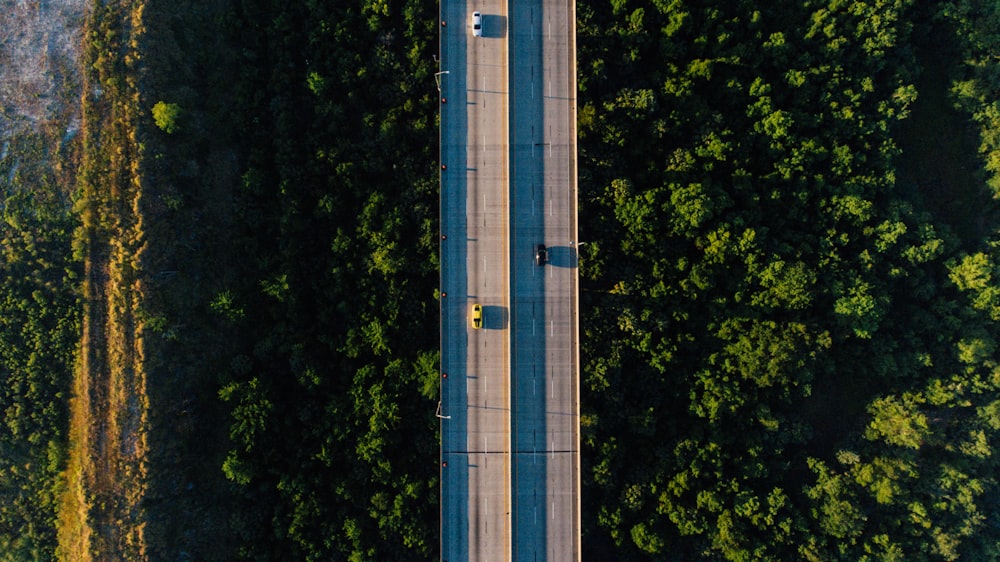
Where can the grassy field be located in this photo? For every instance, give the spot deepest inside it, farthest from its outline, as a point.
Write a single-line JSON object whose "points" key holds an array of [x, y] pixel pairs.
{"points": [[146, 432], [102, 513]]}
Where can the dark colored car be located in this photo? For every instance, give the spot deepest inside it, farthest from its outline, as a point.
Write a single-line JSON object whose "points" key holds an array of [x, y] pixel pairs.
{"points": [[541, 254]]}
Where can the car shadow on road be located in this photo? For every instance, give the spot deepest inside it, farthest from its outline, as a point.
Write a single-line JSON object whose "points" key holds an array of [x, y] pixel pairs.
{"points": [[496, 317], [562, 256], [494, 27]]}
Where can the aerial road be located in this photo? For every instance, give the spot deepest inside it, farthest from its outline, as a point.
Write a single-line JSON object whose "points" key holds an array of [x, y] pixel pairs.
{"points": [[475, 361], [509, 360], [545, 400]]}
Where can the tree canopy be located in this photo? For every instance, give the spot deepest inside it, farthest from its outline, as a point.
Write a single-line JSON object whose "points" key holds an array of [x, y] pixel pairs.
{"points": [[802, 351]]}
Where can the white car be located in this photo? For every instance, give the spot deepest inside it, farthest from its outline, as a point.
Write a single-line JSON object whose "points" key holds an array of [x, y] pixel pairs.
{"points": [[477, 24]]}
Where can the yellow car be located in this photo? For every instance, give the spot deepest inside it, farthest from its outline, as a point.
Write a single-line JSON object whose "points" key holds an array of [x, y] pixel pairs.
{"points": [[476, 316]]}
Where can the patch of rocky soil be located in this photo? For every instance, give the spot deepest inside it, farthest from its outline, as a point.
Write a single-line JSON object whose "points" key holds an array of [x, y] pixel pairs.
{"points": [[40, 44]]}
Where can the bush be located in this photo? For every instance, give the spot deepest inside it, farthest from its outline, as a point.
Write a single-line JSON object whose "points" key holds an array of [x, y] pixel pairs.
{"points": [[166, 116]]}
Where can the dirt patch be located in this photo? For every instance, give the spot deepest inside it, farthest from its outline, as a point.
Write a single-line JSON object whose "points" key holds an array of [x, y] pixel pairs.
{"points": [[40, 43]]}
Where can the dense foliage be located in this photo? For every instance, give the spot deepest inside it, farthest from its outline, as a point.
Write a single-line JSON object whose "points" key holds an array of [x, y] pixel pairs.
{"points": [[39, 333], [804, 357], [332, 390]]}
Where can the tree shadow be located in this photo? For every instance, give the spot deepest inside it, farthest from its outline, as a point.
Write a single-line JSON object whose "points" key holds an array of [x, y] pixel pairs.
{"points": [[940, 170]]}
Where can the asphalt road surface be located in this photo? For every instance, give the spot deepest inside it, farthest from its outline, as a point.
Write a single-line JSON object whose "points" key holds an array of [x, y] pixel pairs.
{"points": [[510, 466]]}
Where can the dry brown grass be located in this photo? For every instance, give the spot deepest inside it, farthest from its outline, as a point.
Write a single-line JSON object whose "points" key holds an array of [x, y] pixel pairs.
{"points": [[102, 517], [143, 479]]}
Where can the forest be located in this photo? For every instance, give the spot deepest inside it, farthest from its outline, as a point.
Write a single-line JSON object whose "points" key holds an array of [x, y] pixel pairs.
{"points": [[39, 338], [800, 337], [789, 294]]}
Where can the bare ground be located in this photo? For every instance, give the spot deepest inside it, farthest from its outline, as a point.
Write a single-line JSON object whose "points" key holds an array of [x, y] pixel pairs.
{"points": [[40, 44]]}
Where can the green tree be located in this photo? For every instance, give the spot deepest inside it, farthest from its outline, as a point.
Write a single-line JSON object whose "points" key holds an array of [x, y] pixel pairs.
{"points": [[166, 115]]}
